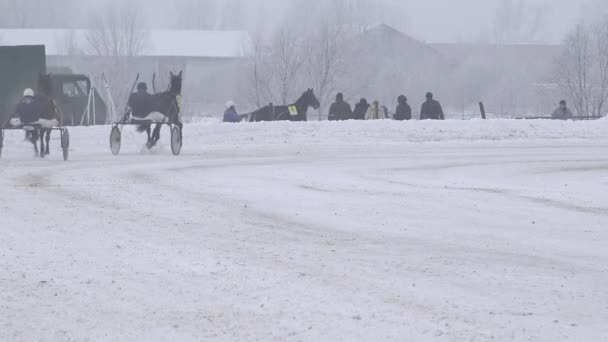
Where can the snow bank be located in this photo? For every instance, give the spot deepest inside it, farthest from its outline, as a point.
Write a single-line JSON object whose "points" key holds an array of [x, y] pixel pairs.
{"points": [[208, 133], [388, 131]]}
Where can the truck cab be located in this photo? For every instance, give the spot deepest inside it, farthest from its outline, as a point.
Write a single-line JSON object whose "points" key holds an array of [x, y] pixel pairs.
{"points": [[71, 93], [20, 67]]}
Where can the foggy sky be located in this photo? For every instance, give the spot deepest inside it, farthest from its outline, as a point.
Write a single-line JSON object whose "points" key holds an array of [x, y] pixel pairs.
{"points": [[437, 21], [445, 20]]}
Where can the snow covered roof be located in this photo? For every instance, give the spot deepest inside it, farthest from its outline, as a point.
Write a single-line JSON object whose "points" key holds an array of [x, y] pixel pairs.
{"points": [[159, 43]]}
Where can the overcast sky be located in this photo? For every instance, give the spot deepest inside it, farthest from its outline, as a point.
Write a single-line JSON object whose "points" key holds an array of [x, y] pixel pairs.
{"points": [[466, 20], [471, 20], [428, 20]]}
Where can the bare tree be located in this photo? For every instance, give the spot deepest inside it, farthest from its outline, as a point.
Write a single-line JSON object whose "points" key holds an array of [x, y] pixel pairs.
{"points": [[518, 21], [583, 68], [117, 33], [69, 43], [297, 57], [260, 80], [287, 61], [324, 61], [276, 68], [117, 30], [575, 67], [600, 32]]}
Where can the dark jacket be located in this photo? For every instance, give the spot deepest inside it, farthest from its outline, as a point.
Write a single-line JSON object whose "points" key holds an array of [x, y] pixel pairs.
{"points": [[141, 104], [27, 110], [340, 110], [562, 114], [431, 110], [230, 115], [404, 111], [360, 110]]}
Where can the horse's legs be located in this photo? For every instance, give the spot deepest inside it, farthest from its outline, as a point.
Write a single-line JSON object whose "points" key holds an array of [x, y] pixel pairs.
{"points": [[149, 133], [34, 141], [47, 151], [156, 134], [42, 149]]}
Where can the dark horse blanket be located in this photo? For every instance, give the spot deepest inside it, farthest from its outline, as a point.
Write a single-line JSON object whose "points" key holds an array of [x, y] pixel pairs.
{"points": [[294, 112]]}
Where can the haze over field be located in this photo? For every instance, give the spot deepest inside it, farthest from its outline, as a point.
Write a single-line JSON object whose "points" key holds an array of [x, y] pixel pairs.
{"points": [[430, 20], [304, 170]]}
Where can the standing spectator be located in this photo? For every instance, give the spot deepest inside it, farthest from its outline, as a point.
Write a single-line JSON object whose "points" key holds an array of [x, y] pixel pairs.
{"points": [[361, 110], [377, 112], [431, 109], [231, 115], [340, 110], [403, 111], [562, 112]]}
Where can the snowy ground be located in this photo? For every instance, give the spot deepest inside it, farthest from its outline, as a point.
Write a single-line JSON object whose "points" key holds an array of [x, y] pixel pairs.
{"points": [[453, 231]]}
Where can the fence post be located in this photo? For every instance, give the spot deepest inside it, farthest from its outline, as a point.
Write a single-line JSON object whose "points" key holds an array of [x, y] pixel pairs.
{"points": [[482, 108]]}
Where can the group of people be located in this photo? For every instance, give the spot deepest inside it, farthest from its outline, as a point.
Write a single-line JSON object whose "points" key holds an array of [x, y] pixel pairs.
{"points": [[341, 110], [431, 109]]}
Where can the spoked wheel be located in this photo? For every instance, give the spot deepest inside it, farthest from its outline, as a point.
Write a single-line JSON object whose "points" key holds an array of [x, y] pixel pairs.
{"points": [[176, 140], [115, 140], [65, 143]]}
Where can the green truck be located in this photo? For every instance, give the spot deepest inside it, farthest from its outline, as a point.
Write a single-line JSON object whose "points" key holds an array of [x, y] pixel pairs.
{"points": [[19, 70]]}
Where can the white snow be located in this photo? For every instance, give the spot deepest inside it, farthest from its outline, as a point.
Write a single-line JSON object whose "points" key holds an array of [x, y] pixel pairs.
{"points": [[351, 231]]}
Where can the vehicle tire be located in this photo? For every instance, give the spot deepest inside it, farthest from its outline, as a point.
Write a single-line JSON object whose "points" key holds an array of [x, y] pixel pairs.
{"points": [[115, 140], [176, 140]]}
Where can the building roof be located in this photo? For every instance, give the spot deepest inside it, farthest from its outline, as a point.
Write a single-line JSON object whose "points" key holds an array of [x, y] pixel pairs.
{"points": [[523, 52], [159, 43]]}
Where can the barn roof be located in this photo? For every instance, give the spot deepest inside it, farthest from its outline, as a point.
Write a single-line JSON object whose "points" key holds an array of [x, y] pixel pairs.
{"points": [[159, 43]]}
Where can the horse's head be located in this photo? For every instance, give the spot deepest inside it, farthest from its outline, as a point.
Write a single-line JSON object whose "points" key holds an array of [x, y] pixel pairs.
{"points": [[310, 99], [175, 87], [45, 85]]}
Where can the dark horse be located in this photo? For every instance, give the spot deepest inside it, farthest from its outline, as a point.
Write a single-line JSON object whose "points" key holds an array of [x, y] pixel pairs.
{"points": [[294, 112], [48, 112], [166, 103]]}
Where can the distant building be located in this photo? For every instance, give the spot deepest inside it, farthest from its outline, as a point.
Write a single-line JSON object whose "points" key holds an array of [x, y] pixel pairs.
{"points": [[513, 79], [212, 61], [381, 64], [384, 63]]}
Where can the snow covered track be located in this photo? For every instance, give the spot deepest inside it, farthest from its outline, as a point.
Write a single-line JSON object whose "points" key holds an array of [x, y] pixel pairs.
{"points": [[278, 232]]}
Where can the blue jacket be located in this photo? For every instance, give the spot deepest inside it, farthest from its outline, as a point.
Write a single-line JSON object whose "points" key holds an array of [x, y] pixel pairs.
{"points": [[27, 110], [230, 115]]}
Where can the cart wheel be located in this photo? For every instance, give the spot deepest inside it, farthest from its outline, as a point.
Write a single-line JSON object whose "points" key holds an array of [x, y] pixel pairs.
{"points": [[1, 141], [115, 140], [176, 140], [65, 143]]}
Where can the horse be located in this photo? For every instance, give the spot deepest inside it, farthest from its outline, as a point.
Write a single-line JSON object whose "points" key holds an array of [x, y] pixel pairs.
{"points": [[294, 112], [48, 112], [168, 105]]}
